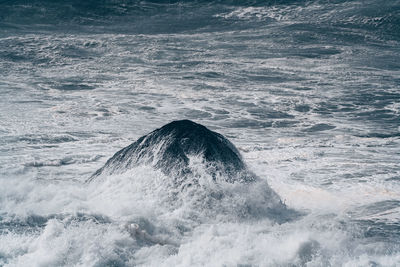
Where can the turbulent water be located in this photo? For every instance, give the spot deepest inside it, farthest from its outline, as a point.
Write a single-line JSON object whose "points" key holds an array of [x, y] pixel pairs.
{"points": [[308, 91]]}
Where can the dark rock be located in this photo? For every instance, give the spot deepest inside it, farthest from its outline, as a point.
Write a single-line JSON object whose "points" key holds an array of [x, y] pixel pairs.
{"points": [[171, 147]]}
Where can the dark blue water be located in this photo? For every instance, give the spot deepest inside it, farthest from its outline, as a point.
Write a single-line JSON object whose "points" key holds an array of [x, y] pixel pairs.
{"points": [[308, 91]]}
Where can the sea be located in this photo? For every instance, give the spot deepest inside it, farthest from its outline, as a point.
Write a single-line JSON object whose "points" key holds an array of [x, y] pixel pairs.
{"points": [[307, 90]]}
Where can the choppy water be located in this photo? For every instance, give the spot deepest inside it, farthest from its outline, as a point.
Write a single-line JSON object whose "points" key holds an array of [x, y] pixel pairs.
{"points": [[309, 91]]}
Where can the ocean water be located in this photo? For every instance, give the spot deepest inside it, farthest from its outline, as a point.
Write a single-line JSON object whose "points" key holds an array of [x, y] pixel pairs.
{"points": [[308, 91]]}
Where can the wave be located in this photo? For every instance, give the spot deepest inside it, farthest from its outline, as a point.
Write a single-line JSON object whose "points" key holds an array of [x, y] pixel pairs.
{"points": [[179, 16], [202, 171], [122, 221], [138, 217], [62, 162]]}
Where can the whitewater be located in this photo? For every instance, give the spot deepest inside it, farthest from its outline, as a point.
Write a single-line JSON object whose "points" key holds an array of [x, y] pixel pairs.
{"points": [[306, 92]]}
